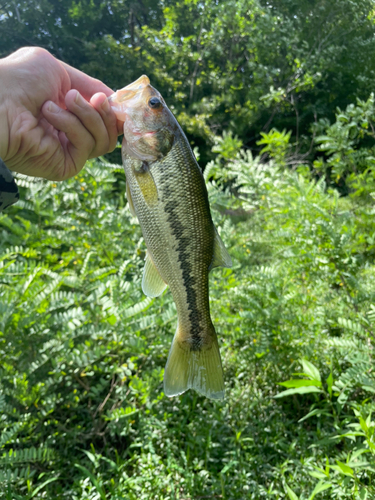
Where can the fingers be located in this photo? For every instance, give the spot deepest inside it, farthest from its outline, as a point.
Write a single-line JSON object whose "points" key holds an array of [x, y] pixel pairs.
{"points": [[88, 86], [90, 129], [99, 121], [96, 101], [75, 140], [100, 102]]}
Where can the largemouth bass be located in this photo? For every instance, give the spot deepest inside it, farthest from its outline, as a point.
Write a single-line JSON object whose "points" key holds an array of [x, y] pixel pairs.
{"points": [[167, 193]]}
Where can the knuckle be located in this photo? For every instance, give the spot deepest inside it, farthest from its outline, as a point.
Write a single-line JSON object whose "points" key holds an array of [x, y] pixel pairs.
{"points": [[33, 52]]}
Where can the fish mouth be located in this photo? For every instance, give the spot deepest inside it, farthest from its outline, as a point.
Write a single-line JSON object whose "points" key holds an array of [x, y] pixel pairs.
{"points": [[142, 82], [121, 98]]}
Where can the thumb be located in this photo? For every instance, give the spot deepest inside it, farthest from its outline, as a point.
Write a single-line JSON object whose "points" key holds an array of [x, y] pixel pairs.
{"points": [[85, 84]]}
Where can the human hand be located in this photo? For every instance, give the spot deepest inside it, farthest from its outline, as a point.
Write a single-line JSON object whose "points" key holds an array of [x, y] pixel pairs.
{"points": [[53, 117]]}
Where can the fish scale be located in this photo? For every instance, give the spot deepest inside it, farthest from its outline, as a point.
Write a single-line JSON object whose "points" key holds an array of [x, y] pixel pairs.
{"points": [[167, 193]]}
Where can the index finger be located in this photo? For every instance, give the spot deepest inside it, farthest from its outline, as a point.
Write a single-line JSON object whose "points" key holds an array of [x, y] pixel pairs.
{"points": [[85, 84]]}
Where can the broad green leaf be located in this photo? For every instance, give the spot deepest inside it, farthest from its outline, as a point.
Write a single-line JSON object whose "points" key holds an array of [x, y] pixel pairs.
{"points": [[298, 390], [321, 486], [300, 383], [363, 493], [317, 411], [91, 456], [363, 423], [345, 469], [41, 486], [318, 475], [310, 369], [291, 493], [357, 453]]}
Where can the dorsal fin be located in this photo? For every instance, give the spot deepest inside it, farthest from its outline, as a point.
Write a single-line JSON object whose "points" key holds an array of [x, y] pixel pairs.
{"points": [[221, 256]]}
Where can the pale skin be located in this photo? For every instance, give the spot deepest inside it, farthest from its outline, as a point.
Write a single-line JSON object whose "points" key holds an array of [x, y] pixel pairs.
{"points": [[53, 118]]}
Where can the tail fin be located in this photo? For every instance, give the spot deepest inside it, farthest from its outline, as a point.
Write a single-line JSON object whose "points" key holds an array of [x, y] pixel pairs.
{"points": [[194, 369]]}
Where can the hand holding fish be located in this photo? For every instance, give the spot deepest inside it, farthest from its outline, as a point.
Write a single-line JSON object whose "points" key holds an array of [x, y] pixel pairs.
{"points": [[166, 191], [53, 117]]}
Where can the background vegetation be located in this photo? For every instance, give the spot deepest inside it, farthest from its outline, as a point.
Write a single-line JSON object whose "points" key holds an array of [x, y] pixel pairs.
{"points": [[276, 96]]}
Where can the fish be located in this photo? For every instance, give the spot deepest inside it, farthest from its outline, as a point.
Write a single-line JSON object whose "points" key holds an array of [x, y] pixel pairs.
{"points": [[167, 193]]}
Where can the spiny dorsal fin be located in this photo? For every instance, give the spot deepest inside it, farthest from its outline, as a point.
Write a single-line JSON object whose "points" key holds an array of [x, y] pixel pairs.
{"points": [[152, 283], [130, 201], [221, 256]]}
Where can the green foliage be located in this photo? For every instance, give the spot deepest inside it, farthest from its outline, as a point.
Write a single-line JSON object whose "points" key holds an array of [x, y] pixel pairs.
{"points": [[276, 144], [353, 474], [349, 147], [227, 146], [83, 350]]}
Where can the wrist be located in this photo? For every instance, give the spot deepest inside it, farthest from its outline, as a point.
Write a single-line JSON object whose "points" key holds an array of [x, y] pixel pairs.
{"points": [[4, 112]]}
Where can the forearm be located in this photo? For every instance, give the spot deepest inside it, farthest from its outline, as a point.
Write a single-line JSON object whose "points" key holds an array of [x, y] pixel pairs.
{"points": [[8, 188]]}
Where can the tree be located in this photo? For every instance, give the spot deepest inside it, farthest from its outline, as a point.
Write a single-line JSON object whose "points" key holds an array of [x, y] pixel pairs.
{"points": [[243, 66]]}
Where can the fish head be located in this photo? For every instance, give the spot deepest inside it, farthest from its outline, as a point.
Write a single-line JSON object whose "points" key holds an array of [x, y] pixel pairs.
{"points": [[149, 126]]}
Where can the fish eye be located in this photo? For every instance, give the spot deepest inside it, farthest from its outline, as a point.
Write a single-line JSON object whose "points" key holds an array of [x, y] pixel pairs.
{"points": [[154, 103]]}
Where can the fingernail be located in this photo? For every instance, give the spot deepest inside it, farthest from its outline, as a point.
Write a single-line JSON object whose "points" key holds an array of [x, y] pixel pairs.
{"points": [[106, 106], [79, 99], [53, 108]]}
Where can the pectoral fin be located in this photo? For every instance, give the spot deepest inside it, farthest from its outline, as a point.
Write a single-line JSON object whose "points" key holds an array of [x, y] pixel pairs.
{"points": [[152, 283], [147, 185], [221, 256], [130, 201]]}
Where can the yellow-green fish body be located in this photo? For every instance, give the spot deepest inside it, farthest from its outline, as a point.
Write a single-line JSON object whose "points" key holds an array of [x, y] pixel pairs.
{"points": [[167, 192]]}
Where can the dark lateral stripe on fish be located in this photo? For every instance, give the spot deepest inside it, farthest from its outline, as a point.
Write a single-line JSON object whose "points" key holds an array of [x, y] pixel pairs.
{"points": [[195, 315]]}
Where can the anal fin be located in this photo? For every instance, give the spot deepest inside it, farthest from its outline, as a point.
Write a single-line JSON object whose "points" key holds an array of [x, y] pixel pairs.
{"points": [[152, 283], [221, 256]]}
